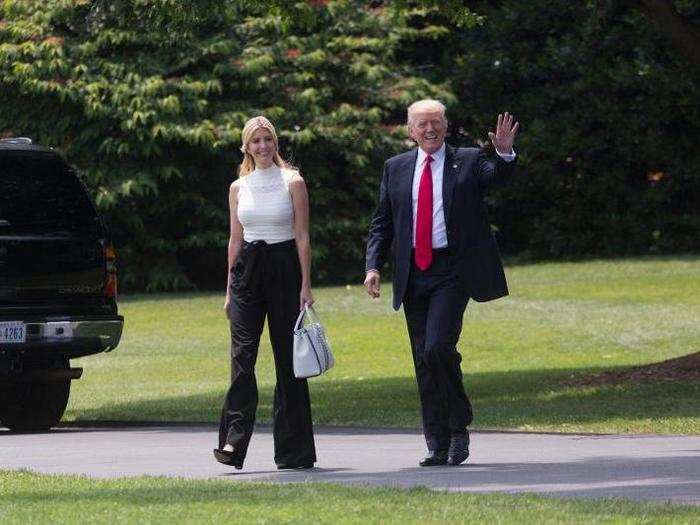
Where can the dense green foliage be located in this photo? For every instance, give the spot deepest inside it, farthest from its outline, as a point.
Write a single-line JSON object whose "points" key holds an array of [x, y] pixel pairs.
{"points": [[148, 97], [151, 108], [609, 117]]}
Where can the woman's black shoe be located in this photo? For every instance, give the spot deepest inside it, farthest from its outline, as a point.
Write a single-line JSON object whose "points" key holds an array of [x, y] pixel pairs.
{"points": [[227, 458]]}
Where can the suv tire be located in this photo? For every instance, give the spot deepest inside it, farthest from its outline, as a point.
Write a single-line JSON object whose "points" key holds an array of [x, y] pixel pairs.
{"points": [[33, 406]]}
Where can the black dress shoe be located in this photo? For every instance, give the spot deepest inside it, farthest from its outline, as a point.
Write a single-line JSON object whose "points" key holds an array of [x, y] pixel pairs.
{"points": [[298, 466], [459, 449], [227, 458], [434, 458]]}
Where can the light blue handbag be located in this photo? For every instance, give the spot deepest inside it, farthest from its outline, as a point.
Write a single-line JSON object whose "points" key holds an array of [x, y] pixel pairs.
{"points": [[312, 353]]}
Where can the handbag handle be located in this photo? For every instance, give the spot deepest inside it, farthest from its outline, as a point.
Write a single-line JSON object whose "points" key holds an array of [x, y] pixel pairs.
{"points": [[311, 313], [307, 311]]}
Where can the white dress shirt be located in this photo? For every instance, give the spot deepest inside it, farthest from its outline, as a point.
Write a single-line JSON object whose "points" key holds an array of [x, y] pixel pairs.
{"points": [[437, 168]]}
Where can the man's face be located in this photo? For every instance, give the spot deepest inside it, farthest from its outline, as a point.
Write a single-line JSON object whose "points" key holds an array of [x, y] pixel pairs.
{"points": [[428, 129]]}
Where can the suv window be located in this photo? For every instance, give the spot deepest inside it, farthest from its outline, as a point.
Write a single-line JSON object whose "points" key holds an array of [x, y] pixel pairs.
{"points": [[41, 194]]}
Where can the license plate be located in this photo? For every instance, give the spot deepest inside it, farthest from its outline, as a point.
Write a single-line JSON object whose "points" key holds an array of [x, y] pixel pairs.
{"points": [[13, 332]]}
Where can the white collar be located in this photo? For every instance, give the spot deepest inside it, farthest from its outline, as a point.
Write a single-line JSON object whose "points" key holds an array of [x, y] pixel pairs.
{"points": [[271, 170], [438, 156]]}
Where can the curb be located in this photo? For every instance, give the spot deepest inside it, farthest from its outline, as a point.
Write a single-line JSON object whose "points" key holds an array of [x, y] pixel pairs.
{"points": [[336, 429]]}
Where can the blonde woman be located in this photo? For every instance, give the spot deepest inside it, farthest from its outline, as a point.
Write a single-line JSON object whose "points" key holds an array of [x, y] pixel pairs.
{"points": [[269, 257]]}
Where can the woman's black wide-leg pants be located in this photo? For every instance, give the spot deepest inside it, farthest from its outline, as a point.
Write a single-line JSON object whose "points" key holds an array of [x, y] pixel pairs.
{"points": [[266, 280]]}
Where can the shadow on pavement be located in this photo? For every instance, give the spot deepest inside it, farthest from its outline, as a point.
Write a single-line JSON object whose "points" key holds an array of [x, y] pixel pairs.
{"points": [[662, 478]]}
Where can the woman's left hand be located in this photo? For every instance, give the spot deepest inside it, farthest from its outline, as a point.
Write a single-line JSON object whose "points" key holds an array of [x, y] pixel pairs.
{"points": [[305, 297]]}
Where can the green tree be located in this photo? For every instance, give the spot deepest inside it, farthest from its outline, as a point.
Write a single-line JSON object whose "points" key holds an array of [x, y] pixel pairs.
{"points": [[609, 115], [148, 98]]}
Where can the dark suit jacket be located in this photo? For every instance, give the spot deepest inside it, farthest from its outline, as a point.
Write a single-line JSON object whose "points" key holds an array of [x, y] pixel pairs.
{"points": [[466, 175]]}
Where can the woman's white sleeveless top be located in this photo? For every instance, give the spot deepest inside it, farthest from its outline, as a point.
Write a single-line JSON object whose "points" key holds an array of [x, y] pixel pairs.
{"points": [[265, 205]]}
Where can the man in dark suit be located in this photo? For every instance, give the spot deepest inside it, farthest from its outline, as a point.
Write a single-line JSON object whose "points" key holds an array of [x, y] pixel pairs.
{"points": [[431, 207]]}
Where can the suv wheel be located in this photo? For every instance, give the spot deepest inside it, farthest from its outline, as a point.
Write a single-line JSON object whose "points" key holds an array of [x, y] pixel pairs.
{"points": [[33, 406]]}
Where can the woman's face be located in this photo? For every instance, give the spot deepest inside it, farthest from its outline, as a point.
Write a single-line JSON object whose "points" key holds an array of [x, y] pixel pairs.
{"points": [[262, 148]]}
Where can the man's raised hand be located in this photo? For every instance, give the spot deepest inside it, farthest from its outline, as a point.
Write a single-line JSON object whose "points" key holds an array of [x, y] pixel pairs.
{"points": [[505, 133]]}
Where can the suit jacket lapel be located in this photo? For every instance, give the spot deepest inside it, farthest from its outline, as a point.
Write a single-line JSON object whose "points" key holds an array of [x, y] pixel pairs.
{"points": [[406, 188], [449, 179]]}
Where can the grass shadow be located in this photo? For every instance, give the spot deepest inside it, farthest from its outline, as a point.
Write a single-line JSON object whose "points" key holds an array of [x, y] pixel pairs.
{"points": [[529, 400]]}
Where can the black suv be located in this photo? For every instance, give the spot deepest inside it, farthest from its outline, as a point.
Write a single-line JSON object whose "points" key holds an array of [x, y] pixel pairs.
{"points": [[58, 284]]}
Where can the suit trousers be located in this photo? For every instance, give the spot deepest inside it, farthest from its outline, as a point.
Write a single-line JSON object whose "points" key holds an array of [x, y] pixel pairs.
{"points": [[266, 281], [434, 304]]}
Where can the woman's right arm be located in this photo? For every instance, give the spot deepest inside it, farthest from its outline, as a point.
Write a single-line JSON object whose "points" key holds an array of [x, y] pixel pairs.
{"points": [[234, 241]]}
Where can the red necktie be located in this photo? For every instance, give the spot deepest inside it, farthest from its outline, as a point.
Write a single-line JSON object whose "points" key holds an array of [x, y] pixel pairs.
{"points": [[424, 218]]}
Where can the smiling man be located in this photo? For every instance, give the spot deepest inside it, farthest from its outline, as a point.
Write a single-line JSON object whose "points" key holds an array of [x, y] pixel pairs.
{"points": [[431, 208]]}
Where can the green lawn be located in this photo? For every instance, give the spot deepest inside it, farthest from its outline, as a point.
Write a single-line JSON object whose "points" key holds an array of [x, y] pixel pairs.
{"points": [[32, 498], [561, 319]]}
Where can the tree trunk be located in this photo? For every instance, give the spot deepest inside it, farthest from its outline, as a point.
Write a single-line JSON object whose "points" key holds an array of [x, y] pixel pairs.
{"points": [[684, 35]]}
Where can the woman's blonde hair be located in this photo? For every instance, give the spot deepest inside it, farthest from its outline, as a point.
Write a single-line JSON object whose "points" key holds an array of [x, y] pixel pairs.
{"points": [[250, 127]]}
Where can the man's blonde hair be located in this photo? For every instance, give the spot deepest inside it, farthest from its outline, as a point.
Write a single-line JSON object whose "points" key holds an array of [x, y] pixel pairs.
{"points": [[427, 104]]}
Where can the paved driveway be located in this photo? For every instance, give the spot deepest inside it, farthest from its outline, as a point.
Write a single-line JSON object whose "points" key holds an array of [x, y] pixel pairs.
{"points": [[660, 468]]}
